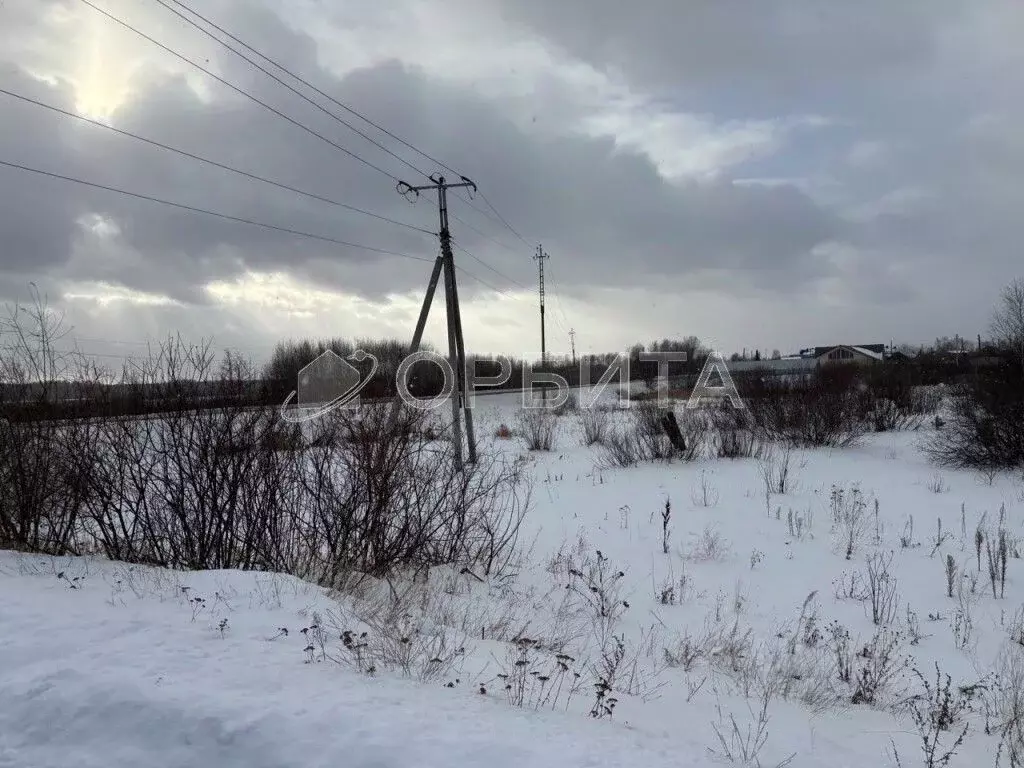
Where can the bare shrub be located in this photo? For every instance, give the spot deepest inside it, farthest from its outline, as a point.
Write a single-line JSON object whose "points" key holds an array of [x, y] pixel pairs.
{"points": [[851, 586], [1015, 628], [704, 494], [645, 437], [996, 557], [204, 481], [927, 400], [776, 470], [571, 405], [620, 449], [985, 428], [874, 670], [985, 423], [382, 499], [686, 652], [883, 595], [941, 537], [743, 746], [885, 415], [402, 640], [819, 410], [937, 709], [649, 422], [595, 425], [538, 428], [724, 644], [44, 463], [800, 524], [534, 678], [597, 586], [962, 623], [1005, 705], [849, 517], [708, 546], [654, 444], [732, 433], [937, 484]]}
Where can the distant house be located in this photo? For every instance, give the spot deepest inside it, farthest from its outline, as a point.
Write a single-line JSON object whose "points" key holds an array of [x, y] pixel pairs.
{"points": [[864, 354], [810, 359]]}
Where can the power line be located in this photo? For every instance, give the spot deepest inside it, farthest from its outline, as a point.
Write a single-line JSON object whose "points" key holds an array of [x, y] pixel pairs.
{"points": [[239, 220], [210, 162], [313, 88], [239, 90], [493, 269], [504, 221], [500, 219], [480, 210], [484, 235], [558, 301], [274, 77], [227, 217], [483, 282]]}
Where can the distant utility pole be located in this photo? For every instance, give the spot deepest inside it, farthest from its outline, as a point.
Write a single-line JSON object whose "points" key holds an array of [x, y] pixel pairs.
{"points": [[572, 341], [456, 345], [540, 256]]}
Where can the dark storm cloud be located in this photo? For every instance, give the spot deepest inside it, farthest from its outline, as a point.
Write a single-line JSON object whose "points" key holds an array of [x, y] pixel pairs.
{"points": [[608, 215]]}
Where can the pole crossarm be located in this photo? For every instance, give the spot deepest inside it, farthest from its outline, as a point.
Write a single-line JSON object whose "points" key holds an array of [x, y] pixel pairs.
{"points": [[404, 188]]}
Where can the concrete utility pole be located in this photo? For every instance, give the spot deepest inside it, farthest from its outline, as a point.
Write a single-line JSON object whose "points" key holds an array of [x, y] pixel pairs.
{"points": [[572, 342], [540, 256], [456, 346]]}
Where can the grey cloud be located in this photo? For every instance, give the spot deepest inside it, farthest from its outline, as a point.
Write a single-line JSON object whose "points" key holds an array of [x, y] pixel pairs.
{"points": [[779, 51], [600, 210], [607, 217]]}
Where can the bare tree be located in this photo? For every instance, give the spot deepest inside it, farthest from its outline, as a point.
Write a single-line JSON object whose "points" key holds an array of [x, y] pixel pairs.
{"points": [[1007, 326]]}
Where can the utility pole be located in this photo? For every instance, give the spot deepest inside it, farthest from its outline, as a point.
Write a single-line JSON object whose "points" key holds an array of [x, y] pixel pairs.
{"points": [[540, 256], [445, 263], [572, 341]]}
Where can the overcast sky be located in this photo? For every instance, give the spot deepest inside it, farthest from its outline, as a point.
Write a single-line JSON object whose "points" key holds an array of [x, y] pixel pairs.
{"points": [[771, 175]]}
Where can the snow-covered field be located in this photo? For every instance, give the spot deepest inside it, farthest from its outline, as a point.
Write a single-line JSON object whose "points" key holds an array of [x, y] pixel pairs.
{"points": [[732, 641]]}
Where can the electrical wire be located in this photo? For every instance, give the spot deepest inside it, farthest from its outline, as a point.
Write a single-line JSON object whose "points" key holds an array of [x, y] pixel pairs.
{"points": [[210, 162], [278, 80], [482, 234], [493, 269], [499, 218], [227, 217], [251, 222], [558, 301], [480, 280], [505, 221], [313, 88], [240, 91]]}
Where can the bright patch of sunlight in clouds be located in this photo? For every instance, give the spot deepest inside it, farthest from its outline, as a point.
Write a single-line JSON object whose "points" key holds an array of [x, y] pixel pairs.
{"points": [[104, 294]]}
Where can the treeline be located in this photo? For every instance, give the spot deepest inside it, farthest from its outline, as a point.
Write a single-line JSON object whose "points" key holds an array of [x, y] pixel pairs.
{"points": [[426, 379]]}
